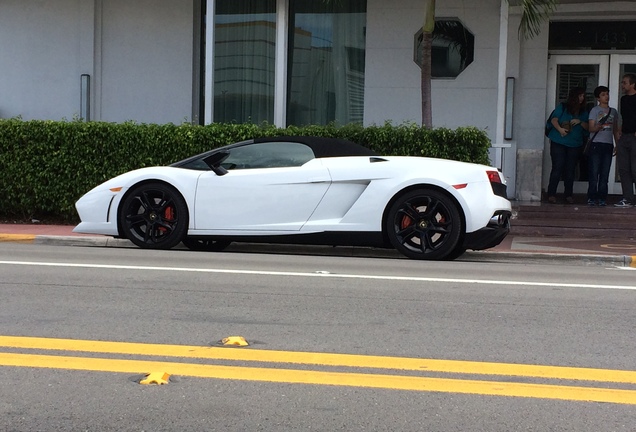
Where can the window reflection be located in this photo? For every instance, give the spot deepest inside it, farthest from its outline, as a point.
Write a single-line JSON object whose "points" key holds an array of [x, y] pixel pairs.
{"points": [[244, 60], [326, 62], [453, 48]]}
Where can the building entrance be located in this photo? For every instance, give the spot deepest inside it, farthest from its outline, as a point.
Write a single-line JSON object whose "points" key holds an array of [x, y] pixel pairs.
{"points": [[587, 71]]}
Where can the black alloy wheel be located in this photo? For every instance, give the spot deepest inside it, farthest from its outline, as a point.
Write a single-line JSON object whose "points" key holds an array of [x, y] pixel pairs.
{"points": [[205, 245], [425, 224], [154, 216]]}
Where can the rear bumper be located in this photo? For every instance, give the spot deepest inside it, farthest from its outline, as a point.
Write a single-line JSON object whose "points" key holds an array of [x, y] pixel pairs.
{"points": [[492, 234]]}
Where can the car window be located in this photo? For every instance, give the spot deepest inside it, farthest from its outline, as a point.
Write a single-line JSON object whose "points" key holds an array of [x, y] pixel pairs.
{"points": [[268, 155]]}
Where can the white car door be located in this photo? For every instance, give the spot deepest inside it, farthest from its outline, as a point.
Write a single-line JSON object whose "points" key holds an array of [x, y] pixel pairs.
{"points": [[276, 199]]}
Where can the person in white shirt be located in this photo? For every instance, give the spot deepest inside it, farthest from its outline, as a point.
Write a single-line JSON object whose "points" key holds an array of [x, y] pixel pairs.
{"points": [[603, 127]]}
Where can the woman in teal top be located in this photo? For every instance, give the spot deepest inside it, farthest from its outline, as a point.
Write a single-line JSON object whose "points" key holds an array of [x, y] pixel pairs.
{"points": [[567, 137]]}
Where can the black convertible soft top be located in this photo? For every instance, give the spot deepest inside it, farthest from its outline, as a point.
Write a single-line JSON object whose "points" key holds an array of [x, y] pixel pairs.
{"points": [[324, 147]]}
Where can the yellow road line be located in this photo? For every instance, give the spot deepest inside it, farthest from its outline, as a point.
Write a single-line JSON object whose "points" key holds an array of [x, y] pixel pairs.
{"points": [[17, 238], [391, 382], [325, 359]]}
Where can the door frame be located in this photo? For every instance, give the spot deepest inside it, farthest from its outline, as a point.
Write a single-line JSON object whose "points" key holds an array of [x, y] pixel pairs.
{"points": [[603, 62], [610, 76]]}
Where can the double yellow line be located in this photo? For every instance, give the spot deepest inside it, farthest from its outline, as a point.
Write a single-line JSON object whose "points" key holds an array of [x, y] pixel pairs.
{"points": [[415, 382]]}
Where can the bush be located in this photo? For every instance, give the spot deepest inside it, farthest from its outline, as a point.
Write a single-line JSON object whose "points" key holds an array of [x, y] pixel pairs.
{"points": [[47, 165]]}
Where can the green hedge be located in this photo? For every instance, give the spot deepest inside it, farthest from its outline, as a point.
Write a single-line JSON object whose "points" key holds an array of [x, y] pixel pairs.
{"points": [[47, 165]]}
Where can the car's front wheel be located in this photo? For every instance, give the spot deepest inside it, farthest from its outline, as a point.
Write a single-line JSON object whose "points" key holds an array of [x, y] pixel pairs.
{"points": [[154, 216], [206, 245], [425, 224]]}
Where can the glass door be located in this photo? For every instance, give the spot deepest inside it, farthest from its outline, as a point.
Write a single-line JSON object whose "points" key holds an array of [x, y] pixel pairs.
{"points": [[619, 66], [564, 73], [587, 71]]}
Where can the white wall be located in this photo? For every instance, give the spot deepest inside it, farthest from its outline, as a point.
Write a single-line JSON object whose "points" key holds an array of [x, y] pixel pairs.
{"points": [[146, 61], [393, 79], [39, 59], [139, 55]]}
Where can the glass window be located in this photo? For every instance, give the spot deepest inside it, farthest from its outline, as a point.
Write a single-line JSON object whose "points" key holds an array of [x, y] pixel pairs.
{"points": [[244, 60], [326, 62], [268, 155], [453, 48], [577, 75]]}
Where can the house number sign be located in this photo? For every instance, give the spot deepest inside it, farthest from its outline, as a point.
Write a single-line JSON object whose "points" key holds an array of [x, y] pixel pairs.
{"points": [[592, 35]]}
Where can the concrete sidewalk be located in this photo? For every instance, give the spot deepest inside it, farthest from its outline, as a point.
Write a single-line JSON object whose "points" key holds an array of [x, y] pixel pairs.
{"points": [[554, 250]]}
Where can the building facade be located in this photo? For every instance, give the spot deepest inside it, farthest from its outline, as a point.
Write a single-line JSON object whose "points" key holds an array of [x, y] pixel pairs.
{"points": [[314, 62]]}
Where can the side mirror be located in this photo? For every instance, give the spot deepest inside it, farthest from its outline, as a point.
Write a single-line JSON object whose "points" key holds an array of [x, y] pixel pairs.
{"points": [[215, 160]]}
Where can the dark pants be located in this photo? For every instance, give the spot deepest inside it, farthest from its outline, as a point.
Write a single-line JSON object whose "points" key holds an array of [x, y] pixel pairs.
{"points": [[599, 163], [564, 160], [626, 164]]}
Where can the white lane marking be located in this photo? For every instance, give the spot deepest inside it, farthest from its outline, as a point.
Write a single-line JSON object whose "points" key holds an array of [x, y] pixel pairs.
{"points": [[323, 275]]}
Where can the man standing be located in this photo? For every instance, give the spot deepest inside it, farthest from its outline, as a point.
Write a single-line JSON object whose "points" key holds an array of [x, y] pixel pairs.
{"points": [[604, 123], [626, 151]]}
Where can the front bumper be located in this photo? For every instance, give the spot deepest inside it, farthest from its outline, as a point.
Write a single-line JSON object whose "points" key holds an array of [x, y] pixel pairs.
{"points": [[492, 234]]}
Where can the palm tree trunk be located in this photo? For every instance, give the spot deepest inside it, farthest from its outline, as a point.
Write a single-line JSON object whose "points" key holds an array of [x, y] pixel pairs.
{"points": [[427, 111], [427, 44]]}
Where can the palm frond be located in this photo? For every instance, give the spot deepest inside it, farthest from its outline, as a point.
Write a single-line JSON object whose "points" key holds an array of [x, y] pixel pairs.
{"points": [[534, 14]]}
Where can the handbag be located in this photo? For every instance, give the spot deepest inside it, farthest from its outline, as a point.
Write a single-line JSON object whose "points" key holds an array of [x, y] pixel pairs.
{"points": [[548, 123], [590, 142]]}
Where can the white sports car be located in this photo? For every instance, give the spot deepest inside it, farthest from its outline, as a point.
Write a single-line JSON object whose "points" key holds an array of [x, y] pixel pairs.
{"points": [[304, 190]]}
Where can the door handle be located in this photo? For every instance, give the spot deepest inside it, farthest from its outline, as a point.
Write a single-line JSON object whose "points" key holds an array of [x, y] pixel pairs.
{"points": [[320, 180]]}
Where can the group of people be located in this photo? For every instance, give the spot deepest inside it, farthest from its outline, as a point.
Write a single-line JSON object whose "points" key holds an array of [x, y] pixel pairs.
{"points": [[609, 134]]}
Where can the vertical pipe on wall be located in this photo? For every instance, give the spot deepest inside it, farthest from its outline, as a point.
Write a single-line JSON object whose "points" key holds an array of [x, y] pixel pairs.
{"points": [[209, 62], [510, 99], [198, 55], [85, 97], [89, 13], [280, 89], [501, 74]]}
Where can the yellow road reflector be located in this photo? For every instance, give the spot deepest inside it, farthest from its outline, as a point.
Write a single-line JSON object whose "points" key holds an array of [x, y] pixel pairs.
{"points": [[156, 378], [234, 340]]}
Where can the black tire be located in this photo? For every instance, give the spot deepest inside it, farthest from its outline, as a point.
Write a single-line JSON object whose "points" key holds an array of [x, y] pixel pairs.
{"points": [[425, 224], [459, 251], [205, 245], [154, 216]]}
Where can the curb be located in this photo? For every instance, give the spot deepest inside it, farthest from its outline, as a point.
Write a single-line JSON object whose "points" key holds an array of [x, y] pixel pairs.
{"points": [[349, 251], [81, 241], [554, 258]]}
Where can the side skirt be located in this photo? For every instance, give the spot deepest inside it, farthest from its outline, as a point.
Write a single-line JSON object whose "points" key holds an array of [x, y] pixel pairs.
{"points": [[328, 238]]}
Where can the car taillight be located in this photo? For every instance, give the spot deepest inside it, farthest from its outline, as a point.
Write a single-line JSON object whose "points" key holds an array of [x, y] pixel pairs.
{"points": [[493, 176], [497, 184]]}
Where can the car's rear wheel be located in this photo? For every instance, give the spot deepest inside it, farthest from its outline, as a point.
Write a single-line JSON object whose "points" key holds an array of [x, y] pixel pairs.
{"points": [[425, 224], [154, 216], [205, 245], [459, 251]]}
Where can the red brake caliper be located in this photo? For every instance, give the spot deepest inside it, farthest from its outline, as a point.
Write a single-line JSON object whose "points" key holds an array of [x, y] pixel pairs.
{"points": [[406, 222], [167, 215]]}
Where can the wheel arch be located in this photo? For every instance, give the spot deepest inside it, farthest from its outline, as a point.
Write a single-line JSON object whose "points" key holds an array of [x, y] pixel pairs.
{"points": [[140, 183], [411, 188]]}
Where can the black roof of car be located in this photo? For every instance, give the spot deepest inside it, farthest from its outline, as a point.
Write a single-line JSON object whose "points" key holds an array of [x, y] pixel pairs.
{"points": [[321, 146]]}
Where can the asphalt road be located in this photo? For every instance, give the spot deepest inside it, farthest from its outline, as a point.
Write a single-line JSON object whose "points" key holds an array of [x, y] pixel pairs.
{"points": [[336, 343]]}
